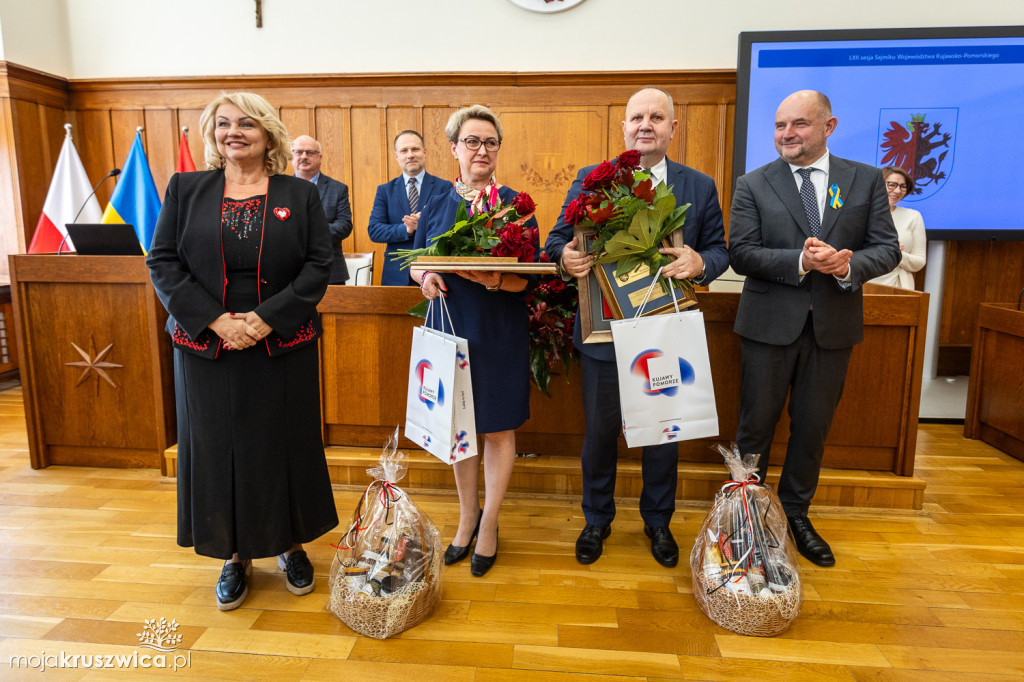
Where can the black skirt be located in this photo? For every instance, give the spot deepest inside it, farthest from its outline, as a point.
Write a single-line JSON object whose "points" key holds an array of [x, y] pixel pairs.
{"points": [[252, 475]]}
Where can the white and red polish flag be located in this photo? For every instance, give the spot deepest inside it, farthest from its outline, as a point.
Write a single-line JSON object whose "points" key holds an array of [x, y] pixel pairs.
{"points": [[68, 191]]}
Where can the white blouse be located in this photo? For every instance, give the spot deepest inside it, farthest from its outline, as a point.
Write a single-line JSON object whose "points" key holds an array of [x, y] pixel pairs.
{"points": [[910, 230]]}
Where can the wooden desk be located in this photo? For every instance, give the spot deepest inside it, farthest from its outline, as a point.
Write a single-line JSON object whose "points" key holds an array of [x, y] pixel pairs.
{"points": [[95, 361], [995, 395], [8, 347], [365, 361]]}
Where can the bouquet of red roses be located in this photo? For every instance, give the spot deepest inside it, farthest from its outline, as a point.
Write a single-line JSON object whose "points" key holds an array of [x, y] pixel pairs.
{"points": [[631, 217], [498, 231], [552, 306]]}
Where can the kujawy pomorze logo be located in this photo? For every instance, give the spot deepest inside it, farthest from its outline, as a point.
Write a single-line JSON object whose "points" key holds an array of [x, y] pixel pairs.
{"points": [[159, 635]]}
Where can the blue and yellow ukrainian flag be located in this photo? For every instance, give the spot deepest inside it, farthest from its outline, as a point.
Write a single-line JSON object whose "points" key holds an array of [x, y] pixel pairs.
{"points": [[135, 199]]}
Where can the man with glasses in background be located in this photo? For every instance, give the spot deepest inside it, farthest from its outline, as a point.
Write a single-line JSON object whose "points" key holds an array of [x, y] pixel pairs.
{"points": [[306, 158]]}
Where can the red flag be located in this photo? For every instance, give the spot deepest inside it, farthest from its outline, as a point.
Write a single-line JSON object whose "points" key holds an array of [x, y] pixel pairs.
{"points": [[184, 164], [70, 191]]}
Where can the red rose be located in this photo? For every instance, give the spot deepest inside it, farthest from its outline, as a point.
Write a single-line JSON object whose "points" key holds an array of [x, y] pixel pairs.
{"points": [[600, 177], [630, 159], [523, 204], [576, 210]]}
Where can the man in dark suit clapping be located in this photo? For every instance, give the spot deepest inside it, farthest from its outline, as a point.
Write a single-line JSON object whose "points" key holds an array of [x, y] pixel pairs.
{"points": [[396, 208], [806, 230], [306, 158]]}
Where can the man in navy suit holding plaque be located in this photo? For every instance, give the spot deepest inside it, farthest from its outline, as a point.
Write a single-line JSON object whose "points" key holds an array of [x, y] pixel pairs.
{"points": [[649, 127], [396, 208], [807, 230]]}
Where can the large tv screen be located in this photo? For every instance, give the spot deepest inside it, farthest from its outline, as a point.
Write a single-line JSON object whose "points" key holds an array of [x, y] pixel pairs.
{"points": [[945, 104]]}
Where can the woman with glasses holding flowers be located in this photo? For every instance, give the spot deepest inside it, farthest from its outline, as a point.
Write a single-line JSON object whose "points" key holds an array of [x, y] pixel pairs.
{"points": [[909, 228], [489, 310]]}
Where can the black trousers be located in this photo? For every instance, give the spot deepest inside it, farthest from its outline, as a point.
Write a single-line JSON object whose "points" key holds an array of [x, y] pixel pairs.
{"points": [[813, 377], [600, 387]]}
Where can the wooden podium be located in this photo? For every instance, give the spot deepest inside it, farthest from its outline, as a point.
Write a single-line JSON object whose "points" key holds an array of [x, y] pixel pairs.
{"points": [[995, 396], [365, 364], [96, 365]]}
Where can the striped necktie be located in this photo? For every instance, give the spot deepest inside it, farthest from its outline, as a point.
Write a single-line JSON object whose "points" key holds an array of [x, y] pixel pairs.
{"points": [[414, 196], [810, 199]]}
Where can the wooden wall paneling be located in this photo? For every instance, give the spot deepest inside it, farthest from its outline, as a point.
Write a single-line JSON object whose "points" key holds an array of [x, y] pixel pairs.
{"points": [[33, 170], [397, 119], [161, 141], [543, 150], [977, 272], [369, 169], [440, 161], [298, 121], [702, 138], [615, 143], [92, 138], [53, 120], [332, 128], [12, 240], [725, 185], [123, 126]]}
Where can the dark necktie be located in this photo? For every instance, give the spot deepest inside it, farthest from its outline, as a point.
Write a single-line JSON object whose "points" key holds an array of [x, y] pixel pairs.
{"points": [[810, 199], [414, 196]]}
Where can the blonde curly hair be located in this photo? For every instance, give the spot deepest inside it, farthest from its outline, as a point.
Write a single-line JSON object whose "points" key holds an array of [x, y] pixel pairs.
{"points": [[278, 142]]}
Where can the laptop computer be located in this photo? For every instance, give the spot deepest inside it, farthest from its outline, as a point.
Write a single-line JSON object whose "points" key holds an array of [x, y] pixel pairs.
{"points": [[104, 239]]}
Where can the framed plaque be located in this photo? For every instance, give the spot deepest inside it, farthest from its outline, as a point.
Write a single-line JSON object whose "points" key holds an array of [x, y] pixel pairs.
{"points": [[483, 263], [595, 316], [625, 294]]}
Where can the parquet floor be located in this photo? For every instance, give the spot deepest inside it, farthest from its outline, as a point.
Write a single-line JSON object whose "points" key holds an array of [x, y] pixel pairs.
{"points": [[89, 554]]}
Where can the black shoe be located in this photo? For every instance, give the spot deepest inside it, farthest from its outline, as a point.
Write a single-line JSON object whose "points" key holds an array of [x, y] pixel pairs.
{"points": [[298, 571], [590, 543], [454, 554], [809, 543], [663, 546], [480, 564], [232, 587]]}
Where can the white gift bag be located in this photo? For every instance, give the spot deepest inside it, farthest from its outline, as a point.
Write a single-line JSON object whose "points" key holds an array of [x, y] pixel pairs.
{"points": [[665, 388], [439, 414]]}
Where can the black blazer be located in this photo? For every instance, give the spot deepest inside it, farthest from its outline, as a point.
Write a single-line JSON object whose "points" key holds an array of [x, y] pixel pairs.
{"points": [[334, 197], [767, 230], [186, 263]]}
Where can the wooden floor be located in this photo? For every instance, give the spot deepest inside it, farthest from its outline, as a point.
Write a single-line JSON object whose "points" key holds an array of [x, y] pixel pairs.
{"points": [[89, 555]]}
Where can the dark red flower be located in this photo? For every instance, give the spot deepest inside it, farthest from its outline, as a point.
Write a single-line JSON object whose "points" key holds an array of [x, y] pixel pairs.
{"points": [[624, 176], [644, 190], [630, 159], [576, 210], [523, 204], [599, 178]]}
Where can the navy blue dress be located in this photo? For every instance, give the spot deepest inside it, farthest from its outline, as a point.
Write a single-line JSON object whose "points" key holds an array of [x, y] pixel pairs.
{"points": [[495, 323]]}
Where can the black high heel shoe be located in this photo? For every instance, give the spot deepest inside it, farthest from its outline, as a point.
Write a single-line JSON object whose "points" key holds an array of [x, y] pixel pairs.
{"points": [[479, 564], [454, 554]]}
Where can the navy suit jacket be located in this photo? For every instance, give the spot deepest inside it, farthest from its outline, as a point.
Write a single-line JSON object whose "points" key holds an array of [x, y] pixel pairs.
{"points": [[186, 261], [386, 227], [334, 197], [767, 229], [703, 231]]}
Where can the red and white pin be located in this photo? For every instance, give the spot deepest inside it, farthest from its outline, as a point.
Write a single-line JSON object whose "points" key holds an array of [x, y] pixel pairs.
{"points": [[282, 213]]}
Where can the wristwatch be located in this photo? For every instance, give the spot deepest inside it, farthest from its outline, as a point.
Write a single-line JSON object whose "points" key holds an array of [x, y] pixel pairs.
{"points": [[496, 287]]}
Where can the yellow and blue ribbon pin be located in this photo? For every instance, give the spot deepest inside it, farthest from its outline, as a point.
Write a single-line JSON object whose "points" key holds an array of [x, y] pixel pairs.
{"points": [[836, 201]]}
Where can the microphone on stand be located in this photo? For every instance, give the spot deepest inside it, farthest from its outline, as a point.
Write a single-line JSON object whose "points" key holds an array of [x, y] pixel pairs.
{"points": [[112, 174]]}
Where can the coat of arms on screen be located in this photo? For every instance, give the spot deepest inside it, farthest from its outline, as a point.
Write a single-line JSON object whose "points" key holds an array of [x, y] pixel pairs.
{"points": [[921, 142]]}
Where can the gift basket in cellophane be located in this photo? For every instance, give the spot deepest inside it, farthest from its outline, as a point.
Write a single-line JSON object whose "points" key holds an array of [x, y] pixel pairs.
{"points": [[744, 565], [386, 574]]}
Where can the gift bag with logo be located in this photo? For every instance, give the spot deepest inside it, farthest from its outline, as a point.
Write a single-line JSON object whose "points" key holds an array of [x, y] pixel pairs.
{"points": [[665, 388], [439, 414]]}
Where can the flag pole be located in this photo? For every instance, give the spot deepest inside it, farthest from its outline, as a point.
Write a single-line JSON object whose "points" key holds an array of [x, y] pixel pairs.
{"points": [[67, 130]]}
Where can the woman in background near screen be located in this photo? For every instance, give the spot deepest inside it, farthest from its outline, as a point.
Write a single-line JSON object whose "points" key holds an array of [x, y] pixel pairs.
{"points": [[909, 228], [240, 259], [488, 309]]}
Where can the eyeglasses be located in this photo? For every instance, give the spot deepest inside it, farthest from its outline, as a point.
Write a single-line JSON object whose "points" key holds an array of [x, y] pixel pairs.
{"points": [[896, 185], [473, 144], [305, 152]]}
